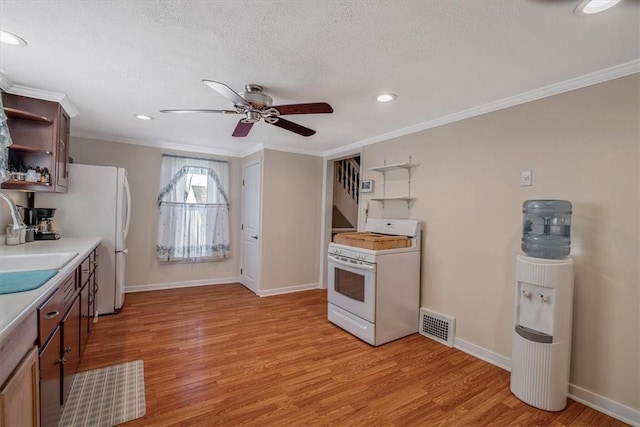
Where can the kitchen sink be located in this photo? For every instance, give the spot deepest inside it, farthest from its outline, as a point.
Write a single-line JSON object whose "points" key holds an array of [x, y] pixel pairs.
{"points": [[25, 262]]}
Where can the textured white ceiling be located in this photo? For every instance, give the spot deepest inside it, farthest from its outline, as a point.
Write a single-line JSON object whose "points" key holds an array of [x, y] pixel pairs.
{"points": [[120, 57]]}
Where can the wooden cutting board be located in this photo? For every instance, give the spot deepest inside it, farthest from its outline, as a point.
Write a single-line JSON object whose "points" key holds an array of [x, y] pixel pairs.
{"points": [[367, 240]]}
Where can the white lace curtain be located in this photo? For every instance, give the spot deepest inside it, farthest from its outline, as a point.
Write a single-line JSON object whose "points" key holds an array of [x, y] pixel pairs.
{"points": [[194, 210]]}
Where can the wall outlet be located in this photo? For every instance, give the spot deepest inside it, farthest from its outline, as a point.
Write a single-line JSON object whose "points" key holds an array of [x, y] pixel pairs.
{"points": [[526, 179]]}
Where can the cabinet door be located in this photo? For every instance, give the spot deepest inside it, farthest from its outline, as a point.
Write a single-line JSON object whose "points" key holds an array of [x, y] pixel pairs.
{"points": [[19, 399], [50, 387], [93, 292], [62, 155], [70, 326], [85, 320], [35, 134]]}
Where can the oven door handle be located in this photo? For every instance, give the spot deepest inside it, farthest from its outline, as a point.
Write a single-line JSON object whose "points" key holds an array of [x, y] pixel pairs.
{"points": [[360, 266]]}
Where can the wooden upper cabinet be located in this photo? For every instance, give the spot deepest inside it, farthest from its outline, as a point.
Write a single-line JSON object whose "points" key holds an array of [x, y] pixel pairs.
{"points": [[39, 130], [62, 158]]}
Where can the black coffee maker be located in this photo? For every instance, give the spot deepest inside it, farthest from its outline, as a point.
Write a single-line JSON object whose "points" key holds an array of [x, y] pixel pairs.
{"points": [[31, 221], [44, 219]]}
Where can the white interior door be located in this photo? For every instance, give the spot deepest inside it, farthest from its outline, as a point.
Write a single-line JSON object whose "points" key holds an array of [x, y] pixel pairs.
{"points": [[251, 207]]}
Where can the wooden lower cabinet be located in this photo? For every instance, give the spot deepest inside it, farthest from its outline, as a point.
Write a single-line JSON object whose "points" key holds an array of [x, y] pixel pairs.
{"points": [[50, 388], [19, 398], [85, 319], [38, 370], [70, 326]]}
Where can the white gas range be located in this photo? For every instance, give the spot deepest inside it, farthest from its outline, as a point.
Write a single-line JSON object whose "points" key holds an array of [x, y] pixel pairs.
{"points": [[375, 293]]}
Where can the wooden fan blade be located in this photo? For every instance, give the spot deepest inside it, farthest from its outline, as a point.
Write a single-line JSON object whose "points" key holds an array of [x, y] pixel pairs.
{"points": [[293, 127], [199, 111], [310, 108], [226, 91], [242, 128]]}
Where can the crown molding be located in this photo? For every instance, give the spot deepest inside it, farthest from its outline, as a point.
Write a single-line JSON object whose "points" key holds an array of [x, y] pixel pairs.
{"points": [[62, 99], [601, 76], [260, 147], [291, 150], [158, 144], [5, 83], [256, 148]]}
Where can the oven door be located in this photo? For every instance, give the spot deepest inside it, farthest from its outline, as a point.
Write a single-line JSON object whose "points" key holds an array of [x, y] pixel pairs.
{"points": [[352, 286]]}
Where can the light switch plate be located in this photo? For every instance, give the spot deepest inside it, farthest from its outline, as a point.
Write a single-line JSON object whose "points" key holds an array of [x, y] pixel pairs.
{"points": [[366, 186], [526, 179]]}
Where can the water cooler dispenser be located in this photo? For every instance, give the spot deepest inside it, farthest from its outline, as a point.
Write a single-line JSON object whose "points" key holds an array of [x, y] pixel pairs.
{"points": [[543, 307]]}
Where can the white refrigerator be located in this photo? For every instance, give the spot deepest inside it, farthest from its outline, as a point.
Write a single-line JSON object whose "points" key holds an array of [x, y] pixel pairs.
{"points": [[97, 203]]}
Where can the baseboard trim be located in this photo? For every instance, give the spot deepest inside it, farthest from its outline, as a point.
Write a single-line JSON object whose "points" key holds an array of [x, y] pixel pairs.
{"points": [[288, 289], [482, 354], [592, 400], [176, 285], [606, 406]]}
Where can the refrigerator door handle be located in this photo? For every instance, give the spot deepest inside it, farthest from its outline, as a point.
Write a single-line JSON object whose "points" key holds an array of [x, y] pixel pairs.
{"points": [[128, 191], [124, 251]]}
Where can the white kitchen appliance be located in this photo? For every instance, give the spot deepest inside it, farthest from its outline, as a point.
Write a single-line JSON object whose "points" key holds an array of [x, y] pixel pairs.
{"points": [[97, 203], [375, 293], [542, 333]]}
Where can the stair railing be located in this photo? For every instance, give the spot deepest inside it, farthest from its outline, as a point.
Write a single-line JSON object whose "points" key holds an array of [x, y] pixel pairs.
{"points": [[347, 175]]}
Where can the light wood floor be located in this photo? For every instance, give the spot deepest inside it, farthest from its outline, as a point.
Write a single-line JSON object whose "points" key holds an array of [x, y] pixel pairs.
{"points": [[219, 355]]}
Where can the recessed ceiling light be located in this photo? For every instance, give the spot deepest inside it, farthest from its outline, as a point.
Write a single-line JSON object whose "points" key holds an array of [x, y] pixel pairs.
{"points": [[589, 7], [11, 39], [142, 117], [386, 97]]}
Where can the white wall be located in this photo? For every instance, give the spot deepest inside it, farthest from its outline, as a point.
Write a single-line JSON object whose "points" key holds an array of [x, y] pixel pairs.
{"points": [[18, 198], [143, 166], [291, 200], [582, 146]]}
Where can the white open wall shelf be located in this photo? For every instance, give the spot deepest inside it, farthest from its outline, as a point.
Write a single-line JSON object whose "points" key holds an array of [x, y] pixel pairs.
{"points": [[384, 169]]}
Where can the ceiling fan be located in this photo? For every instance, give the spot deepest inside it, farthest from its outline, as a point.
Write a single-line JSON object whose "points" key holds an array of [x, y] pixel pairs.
{"points": [[256, 105]]}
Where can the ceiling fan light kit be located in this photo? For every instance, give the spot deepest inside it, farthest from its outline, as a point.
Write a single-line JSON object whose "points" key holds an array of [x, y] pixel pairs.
{"points": [[256, 105]]}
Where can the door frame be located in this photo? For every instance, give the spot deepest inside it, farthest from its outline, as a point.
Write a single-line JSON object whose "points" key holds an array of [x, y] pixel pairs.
{"points": [[259, 254], [327, 206]]}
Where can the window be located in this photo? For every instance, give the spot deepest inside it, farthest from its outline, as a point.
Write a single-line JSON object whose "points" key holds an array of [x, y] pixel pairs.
{"points": [[193, 225]]}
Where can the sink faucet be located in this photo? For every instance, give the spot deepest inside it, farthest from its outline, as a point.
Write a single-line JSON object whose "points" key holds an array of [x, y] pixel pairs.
{"points": [[15, 215]]}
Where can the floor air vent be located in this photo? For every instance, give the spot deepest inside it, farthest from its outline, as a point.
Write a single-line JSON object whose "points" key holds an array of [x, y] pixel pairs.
{"points": [[437, 326]]}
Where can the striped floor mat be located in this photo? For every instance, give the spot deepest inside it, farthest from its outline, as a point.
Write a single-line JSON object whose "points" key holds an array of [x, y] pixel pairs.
{"points": [[105, 397]]}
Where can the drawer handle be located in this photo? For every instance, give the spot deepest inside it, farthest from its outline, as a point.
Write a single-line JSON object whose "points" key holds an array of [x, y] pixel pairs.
{"points": [[67, 349], [85, 270], [52, 314], [61, 361]]}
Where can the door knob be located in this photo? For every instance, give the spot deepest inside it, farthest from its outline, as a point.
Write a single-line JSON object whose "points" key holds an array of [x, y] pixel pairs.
{"points": [[254, 237]]}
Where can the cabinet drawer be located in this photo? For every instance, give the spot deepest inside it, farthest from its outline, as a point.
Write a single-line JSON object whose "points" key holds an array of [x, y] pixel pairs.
{"points": [[69, 291], [87, 267], [94, 260], [49, 315]]}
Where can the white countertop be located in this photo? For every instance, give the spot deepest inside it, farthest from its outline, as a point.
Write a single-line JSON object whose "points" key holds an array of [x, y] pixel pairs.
{"points": [[14, 308]]}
